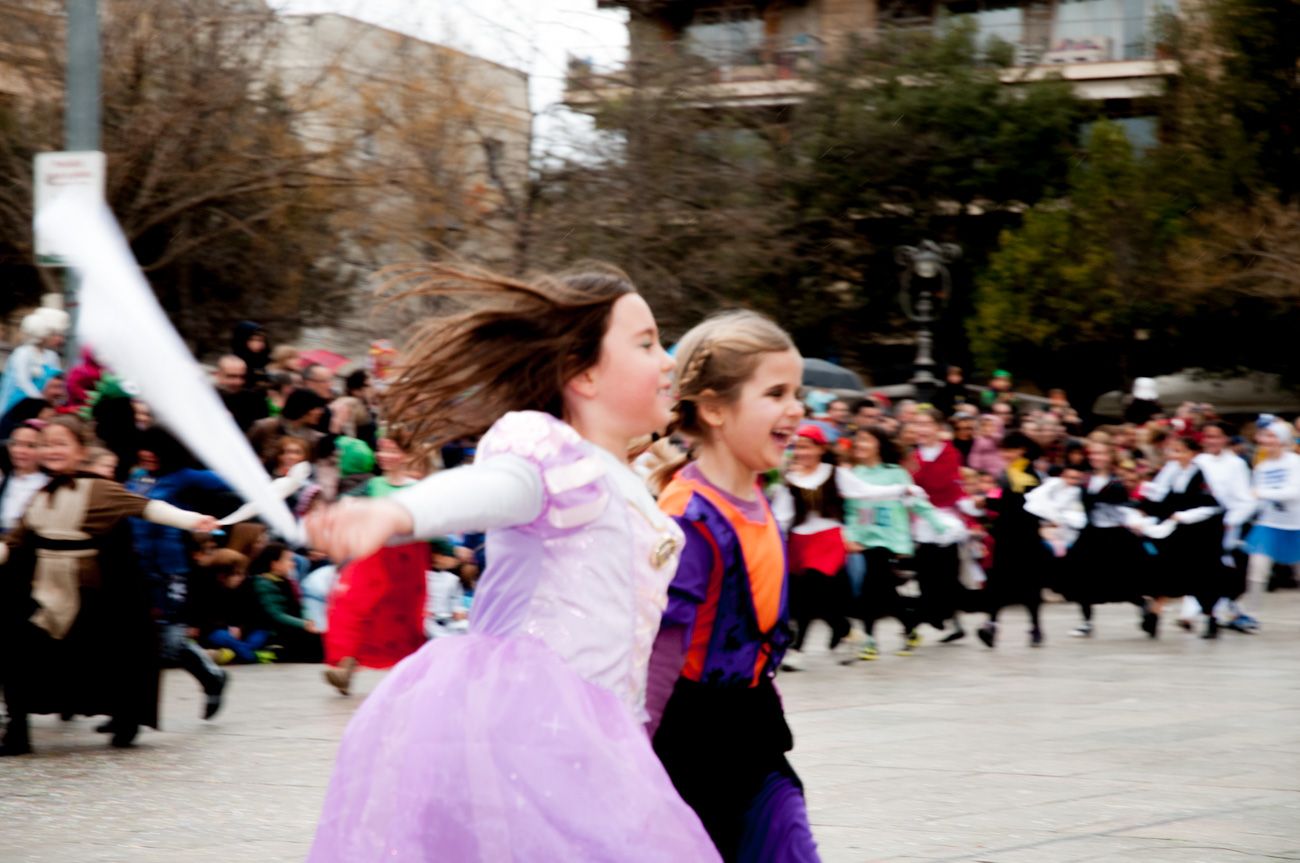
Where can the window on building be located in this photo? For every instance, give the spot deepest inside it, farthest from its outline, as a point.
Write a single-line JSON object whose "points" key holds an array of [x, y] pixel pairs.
{"points": [[1110, 29], [1142, 130], [993, 19], [726, 35]]}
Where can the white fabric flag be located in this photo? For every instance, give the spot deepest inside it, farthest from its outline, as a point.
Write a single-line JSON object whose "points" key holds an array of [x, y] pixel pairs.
{"points": [[121, 319]]}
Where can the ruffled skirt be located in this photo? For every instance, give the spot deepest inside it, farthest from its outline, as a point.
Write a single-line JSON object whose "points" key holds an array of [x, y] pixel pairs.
{"points": [[484, 748], [1280, 546]]}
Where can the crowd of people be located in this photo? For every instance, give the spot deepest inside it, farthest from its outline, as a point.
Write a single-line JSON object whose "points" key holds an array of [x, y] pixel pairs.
{"points": [[992, 502], [758, 509], [225, 594]]}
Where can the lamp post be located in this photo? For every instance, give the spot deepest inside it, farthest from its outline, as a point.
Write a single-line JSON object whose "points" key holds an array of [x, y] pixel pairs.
{"points": [[80, 121], [925, 263]]}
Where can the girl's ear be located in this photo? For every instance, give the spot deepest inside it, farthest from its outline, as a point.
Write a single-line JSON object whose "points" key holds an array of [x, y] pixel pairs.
{"points": [[584, 383], [709, 410]]}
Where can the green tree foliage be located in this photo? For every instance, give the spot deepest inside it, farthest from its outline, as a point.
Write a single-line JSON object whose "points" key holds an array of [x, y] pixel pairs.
{"points": [[923, 122], [916, 135], [1070, 293], [795, 210], [1188, 243]]}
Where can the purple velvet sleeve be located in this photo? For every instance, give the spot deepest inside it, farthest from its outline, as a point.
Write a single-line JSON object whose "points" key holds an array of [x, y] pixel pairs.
{"points": [[661, 675], [688, 589], [691, 583]]}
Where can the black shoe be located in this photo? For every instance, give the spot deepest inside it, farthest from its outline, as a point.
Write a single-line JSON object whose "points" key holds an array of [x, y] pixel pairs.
{"points": [[988, 633], [124, 736], [1150, 623], [213, 693], [1035, 637], [8, 749], [105, 727], [1211, 628], [67, 717], [16, 740], [956, 635]]}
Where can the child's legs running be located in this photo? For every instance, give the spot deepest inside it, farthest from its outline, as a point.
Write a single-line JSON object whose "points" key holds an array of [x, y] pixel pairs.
{"points": [[776, 825]]}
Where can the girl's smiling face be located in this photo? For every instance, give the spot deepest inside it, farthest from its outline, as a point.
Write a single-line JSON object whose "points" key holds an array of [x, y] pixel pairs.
{"points": [[759, 425], [60, 450], [24, 448], [631, 384]]}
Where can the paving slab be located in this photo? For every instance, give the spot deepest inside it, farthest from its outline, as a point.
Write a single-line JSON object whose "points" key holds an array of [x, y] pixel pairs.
{"points": [[1114, 748]]}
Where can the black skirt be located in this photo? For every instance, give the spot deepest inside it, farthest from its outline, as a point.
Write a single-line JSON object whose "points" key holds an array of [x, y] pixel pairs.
{"points": [[719, 745], [107, 663], [1190, 562], [1107, 564]]}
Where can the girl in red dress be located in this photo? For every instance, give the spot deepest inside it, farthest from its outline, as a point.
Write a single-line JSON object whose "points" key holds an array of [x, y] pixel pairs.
{"points": [[376, 609]]}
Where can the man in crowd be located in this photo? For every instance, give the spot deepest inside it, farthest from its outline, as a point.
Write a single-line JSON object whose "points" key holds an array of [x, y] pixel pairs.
{"points": [[246, 405]]}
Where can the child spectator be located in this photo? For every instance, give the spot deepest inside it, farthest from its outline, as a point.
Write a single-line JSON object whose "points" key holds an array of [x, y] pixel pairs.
{"points": [[451, 581], [226, 611], [100, 462], [290, 451], [999, 390], [298, 638], [984, 455]]}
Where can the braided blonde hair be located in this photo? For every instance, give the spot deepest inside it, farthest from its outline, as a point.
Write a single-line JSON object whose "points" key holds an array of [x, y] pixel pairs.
{"points": [[714, 361]]}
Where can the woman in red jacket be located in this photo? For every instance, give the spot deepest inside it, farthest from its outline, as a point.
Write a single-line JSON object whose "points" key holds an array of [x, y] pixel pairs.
{"points": [[936, 467]]}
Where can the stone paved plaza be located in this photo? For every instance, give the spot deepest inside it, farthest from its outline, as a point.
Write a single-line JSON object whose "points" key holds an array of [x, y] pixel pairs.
{"points": [[1113, 749]]}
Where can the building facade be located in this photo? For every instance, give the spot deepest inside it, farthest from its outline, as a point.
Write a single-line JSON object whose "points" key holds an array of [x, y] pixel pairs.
{"points": [[761, 53], [436, 143]]}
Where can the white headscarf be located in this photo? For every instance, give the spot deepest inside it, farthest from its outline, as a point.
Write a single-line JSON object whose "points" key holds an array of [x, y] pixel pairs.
{"points": [[1285, 433], [1145, 389]]}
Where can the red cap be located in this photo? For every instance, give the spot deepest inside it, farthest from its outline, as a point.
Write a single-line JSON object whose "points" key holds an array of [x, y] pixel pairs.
{"points": [[813, 433]]}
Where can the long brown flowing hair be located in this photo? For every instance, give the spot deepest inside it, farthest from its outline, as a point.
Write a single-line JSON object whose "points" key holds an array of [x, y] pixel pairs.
{"points": [[507, 344]]}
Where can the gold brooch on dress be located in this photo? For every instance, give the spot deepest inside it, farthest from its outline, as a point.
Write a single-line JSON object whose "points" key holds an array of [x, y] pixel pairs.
{"points": [[664, 550]]}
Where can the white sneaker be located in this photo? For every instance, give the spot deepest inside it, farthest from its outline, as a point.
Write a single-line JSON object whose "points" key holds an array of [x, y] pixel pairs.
{"points": [[793, 661], [844, 653], [1083, 630]]}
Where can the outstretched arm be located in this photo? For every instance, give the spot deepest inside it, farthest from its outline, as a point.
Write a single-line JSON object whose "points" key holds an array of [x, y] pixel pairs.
{"points": [[504, 491], [854, 487]]}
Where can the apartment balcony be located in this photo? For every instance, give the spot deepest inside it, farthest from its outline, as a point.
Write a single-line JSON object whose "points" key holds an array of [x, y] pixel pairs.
{"points": [[1104, 54], [764, 73], [1107, 49]]}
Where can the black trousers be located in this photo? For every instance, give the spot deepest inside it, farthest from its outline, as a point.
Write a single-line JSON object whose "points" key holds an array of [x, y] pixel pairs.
{"points": [[880, 597], [937, 572], [815, 595]]}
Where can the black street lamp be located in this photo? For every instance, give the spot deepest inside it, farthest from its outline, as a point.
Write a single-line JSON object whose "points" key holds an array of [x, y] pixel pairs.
{"points": [[922, 305]]}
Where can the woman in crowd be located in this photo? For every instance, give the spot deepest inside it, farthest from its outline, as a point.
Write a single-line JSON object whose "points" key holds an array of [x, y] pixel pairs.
{"points": [[810, 506], [32, 362], [72, 586], [936, 467], [1189, 559], [877, 534], [1275, 538], [1108, 561], [1020, 560], [24, 476]]}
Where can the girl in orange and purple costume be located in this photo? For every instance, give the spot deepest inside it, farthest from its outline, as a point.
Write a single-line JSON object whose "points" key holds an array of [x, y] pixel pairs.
{"points": [[716, 716]]}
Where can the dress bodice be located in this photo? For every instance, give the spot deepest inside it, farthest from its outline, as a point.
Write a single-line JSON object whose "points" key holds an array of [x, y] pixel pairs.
{"points": [[589, 576]]}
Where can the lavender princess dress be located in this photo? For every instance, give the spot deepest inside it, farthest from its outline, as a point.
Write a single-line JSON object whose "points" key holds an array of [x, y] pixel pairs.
{"points": [[523, 741]]}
